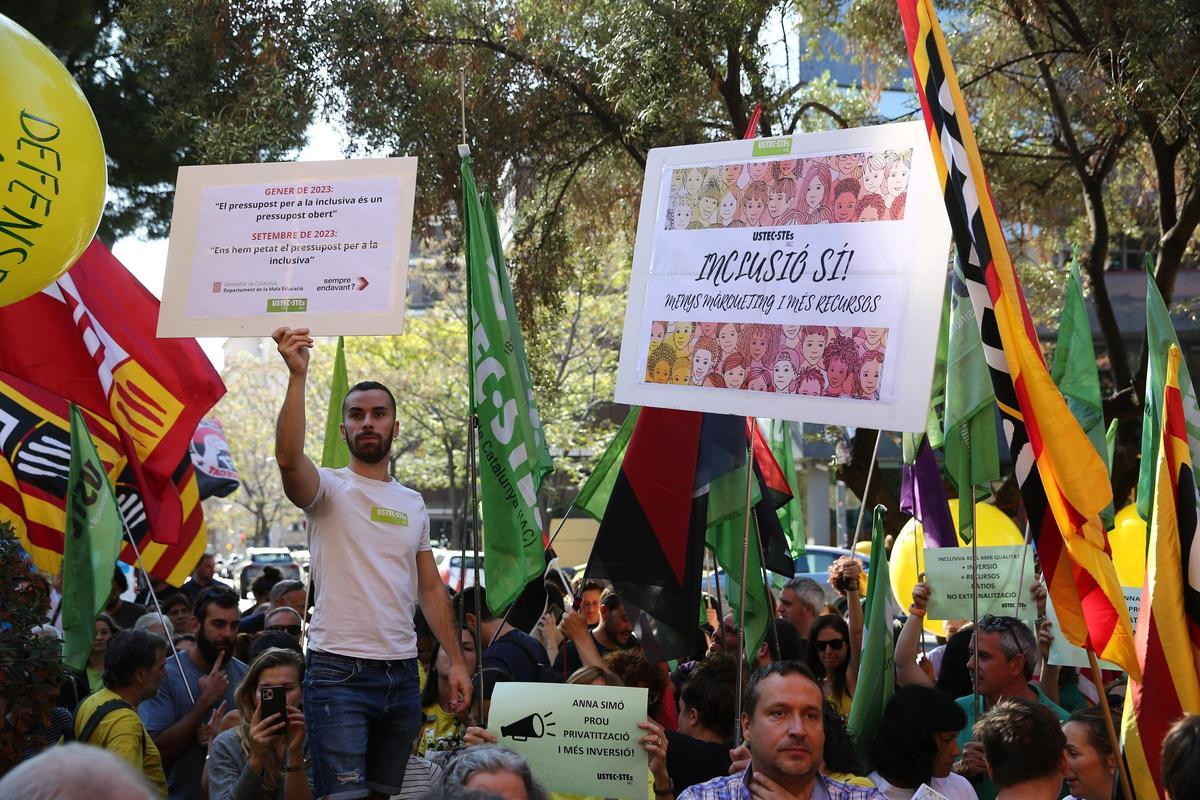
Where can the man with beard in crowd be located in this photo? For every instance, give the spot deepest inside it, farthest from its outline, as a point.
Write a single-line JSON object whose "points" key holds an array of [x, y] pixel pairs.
{"points": [[370, 539], [181, 726], [615, 632]]}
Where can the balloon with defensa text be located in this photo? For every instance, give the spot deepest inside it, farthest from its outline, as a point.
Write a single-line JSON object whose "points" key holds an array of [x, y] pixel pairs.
{"points": [[53, 175]]}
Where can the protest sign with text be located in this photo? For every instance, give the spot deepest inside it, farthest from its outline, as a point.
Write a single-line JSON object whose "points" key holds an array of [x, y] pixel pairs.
{"points": [[577, 739], [322, 244], [794, 278], [1065, 654], [995, 579]]}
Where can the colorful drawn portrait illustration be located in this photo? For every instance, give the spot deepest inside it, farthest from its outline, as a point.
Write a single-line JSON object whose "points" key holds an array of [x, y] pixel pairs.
{"points": [[842, 188], [808, 360]]}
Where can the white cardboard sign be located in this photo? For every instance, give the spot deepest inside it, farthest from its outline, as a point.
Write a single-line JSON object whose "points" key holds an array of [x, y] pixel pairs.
{"points": [[321, 244], [795, 278]]}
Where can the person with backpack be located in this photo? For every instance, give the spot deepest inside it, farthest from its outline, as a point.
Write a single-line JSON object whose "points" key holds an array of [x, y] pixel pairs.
{"points": [[134, 668], [504, 647]]}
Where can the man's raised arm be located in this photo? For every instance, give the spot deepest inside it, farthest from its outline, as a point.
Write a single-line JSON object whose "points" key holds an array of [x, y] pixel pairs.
{"points": [[300, 477]]}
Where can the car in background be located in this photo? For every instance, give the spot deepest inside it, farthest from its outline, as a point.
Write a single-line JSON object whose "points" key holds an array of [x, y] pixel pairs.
{"points": [[458, 571], [813, 564], [257, 558], [301, 554]]}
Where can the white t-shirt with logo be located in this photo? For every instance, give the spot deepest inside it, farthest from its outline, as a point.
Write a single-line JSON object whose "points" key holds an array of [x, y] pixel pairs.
{"points": [[364, 535]]}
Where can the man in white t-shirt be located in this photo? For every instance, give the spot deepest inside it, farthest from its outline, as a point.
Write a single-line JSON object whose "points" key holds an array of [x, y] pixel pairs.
{"points": [[371, 564]]}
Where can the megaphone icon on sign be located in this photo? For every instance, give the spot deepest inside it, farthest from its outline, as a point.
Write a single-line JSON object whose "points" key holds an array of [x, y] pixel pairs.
{"points": [[530, 727]]}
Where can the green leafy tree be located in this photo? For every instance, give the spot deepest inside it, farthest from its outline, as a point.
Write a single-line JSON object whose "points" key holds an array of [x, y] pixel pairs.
{"points": [[30, 666]]}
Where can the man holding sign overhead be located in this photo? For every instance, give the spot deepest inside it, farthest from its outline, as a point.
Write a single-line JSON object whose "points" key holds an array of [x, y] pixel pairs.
{"points": [[369, 539]]}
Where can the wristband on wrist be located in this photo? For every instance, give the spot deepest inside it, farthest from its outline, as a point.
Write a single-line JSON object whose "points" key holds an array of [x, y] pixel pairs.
{"points": [[916, 610], [670, 789]]}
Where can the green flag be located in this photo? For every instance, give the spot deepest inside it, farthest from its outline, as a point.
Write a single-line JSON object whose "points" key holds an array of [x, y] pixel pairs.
{"points": [[779, 434], [336, 453], [513, 456], [877, 666], [1074, 371], [910, 442], [726, 536], [1160, 335], [972, 455], [593, 496], [91, 544]]}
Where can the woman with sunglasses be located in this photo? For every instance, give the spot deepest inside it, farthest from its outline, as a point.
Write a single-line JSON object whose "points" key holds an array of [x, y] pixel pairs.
{"points": [[833, 659]]}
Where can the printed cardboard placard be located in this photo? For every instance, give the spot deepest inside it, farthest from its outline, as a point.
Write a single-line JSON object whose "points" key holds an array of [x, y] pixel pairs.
{"points": [[320, 244], [577, 739], [796, 278], [1066, 654], [998, 578]]}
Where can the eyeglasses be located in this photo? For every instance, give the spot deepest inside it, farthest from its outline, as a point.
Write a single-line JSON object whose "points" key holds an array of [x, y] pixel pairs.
{"points": [[829, 644], [292, 630], [990, 623]]}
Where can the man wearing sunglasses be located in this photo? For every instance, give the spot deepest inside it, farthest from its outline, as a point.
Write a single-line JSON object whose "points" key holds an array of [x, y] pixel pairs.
{"points": [[284, 619], [285, 594], [1003, 668]]}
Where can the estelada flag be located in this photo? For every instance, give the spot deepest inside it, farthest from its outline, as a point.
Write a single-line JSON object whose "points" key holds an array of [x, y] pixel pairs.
{"points": [[89, 338], [35, 460], [1063, 480], [1168, 632]]}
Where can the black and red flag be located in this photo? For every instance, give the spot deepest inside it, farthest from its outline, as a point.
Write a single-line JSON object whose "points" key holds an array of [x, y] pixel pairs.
{"points": [[650, 545]]}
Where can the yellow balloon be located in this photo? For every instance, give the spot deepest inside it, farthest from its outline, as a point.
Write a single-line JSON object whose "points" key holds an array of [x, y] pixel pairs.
{"points": [[863, 548], [53, 175], [992, 528], [1128, 543]]}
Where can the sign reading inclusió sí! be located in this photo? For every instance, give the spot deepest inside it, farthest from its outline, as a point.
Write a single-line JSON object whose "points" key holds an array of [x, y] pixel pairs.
{"points": [[577, 739]]}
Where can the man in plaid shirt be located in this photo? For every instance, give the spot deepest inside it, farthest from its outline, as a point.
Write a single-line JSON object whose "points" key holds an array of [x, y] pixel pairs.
{"points": [[783, 726]]}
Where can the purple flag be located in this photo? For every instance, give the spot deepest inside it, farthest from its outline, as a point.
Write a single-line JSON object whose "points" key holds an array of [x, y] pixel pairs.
{"points": [[923, 495]]}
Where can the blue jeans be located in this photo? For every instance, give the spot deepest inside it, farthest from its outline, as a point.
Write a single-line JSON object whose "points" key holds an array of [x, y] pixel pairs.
{"points": [[362, 717]]}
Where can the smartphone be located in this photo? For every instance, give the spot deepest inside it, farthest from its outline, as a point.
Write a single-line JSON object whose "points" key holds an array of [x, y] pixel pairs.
{"points": [[273, 700]]}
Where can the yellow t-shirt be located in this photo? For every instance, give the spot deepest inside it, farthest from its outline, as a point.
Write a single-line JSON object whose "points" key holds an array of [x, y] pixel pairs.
{"points": [[440, 730], [122, 733], [841, 704]]}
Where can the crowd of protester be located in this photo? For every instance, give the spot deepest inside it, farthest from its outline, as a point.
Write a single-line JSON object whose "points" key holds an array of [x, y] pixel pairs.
{"points": [[377, 681], [181, 711]]}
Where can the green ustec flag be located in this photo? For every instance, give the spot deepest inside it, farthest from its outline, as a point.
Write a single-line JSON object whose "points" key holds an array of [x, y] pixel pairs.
{"points": [[91, 545], [1075, 374], [725, 534], [335, 453], [972, 455], [1160, 335], [877, 668], [593, 495], [513, 457]]}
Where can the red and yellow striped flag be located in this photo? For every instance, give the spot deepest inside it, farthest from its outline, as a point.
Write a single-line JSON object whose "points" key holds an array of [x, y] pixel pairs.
{"points": [[1064, 484], [35, 454], [1168, 634]]}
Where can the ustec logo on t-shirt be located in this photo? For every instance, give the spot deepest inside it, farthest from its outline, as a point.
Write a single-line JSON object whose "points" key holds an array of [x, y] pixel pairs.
{"points": [[389, 516]]}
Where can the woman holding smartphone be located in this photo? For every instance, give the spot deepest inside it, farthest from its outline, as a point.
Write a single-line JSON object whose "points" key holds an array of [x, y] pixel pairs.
{"points": [[263, 758]]}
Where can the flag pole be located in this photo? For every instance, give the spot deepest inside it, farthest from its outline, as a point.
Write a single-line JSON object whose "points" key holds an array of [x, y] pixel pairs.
{"points": [[977, 702], [1126, 788], [737, 716], [464, 151], [158, 608], [862, 506], [920, 577], [1021, 575]]}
